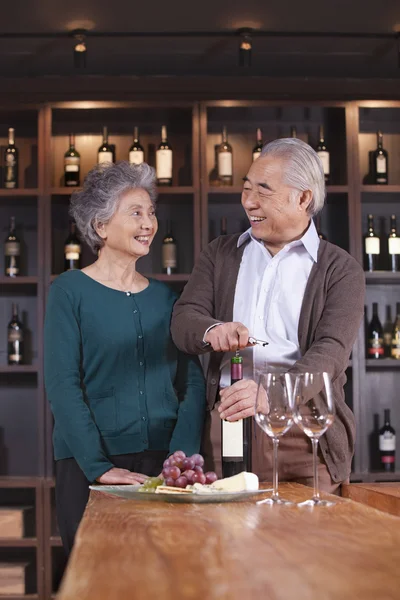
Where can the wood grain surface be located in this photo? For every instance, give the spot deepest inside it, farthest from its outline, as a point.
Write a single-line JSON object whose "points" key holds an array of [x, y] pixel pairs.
{"points": [[383, 496], [127, 549]]}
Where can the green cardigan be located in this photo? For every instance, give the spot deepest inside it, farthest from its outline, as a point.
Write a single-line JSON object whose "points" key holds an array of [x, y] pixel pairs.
{"points": [[114, 379]]}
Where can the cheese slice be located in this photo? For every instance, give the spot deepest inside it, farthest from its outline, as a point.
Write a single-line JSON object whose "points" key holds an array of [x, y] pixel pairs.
{"points": [[238, 483]]}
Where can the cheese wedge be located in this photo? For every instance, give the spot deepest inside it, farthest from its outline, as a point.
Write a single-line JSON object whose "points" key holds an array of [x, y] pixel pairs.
{"points": [[238, 483]]}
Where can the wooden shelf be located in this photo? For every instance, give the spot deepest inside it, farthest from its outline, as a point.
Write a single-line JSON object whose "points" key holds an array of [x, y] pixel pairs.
{"points": [[18, 543], [55, 541], [382, 277], [19, 369], [19, 597], [382, 363], [19, 482], [372, 476], [178, 277], [237, 189], [380, 189], [20, 192], [176, 189], [18, 280]]}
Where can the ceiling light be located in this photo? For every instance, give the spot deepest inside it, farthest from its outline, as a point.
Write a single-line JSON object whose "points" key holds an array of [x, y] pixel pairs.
{"points": [[245, 48], [80, 48]]}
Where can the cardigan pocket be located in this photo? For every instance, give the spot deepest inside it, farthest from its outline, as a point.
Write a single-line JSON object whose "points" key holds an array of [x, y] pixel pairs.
{"points": [[104, 409]]}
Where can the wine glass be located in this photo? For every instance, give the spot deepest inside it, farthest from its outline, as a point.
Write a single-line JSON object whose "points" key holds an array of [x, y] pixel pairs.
{"points": [[314, 412], [274, 415]]}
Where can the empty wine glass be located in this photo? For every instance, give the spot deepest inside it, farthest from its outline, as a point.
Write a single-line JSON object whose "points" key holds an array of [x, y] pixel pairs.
{"points": [[314, 412], [274, 415]]}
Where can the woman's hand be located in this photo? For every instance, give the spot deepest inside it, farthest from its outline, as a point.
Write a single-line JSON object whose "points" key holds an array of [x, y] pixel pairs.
{"points": [[117, 476]]}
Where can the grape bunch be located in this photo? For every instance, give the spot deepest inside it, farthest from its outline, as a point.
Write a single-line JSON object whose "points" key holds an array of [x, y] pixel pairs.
{"points": [[180, 470]]}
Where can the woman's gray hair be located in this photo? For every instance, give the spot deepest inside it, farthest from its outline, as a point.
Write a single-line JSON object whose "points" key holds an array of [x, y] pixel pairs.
{"points": [[304, 169], [102, 190]]}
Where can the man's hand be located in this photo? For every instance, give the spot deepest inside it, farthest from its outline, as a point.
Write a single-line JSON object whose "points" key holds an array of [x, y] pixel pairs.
{"points": [[228, 337], [238, 401], [117, 476]]}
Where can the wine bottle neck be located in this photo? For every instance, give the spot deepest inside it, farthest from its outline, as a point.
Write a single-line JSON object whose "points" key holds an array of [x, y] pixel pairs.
{"points": [[11, 137]]}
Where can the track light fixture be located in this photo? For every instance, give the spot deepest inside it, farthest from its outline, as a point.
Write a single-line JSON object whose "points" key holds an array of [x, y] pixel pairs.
{"points": [[80, 48], [245, 47]]}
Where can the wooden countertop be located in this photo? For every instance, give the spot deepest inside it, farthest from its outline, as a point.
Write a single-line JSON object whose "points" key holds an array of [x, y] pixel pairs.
{"points": [[128, 549], [383, 496]]}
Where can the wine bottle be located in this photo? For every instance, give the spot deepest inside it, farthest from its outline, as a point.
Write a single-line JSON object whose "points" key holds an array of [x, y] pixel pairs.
{"points": [[164, 160], [136, 151], [223, 229], [293, 131], [388, 332], [236, 435], [375, 335], [372, 245], [72, 164], [396, 334], [12, 252], [11, 162], [169, 252], [72, 249], [394, 245], [259, 145], [105, 152], [387, 443], [381, 160], [321, 235], [323, 154], [15, 338], [225, 160]]}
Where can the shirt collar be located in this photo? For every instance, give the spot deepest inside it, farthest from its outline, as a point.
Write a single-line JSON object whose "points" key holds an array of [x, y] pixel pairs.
{"points": [[310, 240]]}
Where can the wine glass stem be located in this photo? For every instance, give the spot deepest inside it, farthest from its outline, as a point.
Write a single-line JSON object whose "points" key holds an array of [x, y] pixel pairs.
{"points": [[275, 442], [314, 442]]}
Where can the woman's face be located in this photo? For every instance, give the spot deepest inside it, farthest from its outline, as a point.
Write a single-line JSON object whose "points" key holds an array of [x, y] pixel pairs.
{"points": [[133, 226]]}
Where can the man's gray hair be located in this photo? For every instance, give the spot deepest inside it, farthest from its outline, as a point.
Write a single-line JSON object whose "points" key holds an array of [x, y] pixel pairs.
{"points": [[304, 170], [101, 193]]}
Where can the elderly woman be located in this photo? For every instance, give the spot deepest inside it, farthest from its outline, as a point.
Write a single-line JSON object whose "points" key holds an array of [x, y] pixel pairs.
{"points": [[123, 397]]}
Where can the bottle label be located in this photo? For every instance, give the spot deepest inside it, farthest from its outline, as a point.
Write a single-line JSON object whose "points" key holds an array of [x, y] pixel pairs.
{"points": [[381, 164], [12, 271], [225, 164], [71, 164], [387, 338], [396, 345], [15, 358], [136, 157], [104, 157], [12, 248], [232, 439], [164, 164], [324, 158], [72, 251], [394, 245], [256, 155], [387, 443], [169, 256], [372, 245], [375, 346], [15, 335]]}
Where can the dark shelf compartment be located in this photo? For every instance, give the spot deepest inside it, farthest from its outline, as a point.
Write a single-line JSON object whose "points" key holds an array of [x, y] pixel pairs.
{"points": [[382, 277], [382, 363]]}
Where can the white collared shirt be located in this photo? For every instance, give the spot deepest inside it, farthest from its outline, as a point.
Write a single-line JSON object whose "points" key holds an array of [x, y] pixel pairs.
{"points": [[268, 298]]}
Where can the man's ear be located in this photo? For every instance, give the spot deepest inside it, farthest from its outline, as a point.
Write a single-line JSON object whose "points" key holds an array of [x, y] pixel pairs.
{"points": [[304, 200]]}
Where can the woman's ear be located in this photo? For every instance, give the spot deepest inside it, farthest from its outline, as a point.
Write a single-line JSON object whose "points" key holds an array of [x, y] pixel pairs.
{"points": [[100, 229]]}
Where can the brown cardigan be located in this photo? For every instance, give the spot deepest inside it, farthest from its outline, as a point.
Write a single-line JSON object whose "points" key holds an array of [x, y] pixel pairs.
{"points": [[330, 316]]}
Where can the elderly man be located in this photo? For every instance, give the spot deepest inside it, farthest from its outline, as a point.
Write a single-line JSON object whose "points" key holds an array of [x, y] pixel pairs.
{"points": [[278, 282]]}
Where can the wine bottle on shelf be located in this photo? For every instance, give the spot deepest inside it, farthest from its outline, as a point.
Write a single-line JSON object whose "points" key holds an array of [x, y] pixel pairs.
{"points": [[381, 160], [223, 228], [372, 247], [72, 164], [323, 154], [136, 151], [259, 145], [394, 245], [293, 131], [225, 160], [11, 162], [375, 335], [321, 235], [105, 152], [15, 335], [236, 435], [72, 249], [388, 332], [387, 443], [169, 252], [164, 159], [12, 252], [396, 334]]}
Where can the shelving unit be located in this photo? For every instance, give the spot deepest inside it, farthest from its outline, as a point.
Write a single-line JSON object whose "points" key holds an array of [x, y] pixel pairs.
{"points": [[195, 205]]}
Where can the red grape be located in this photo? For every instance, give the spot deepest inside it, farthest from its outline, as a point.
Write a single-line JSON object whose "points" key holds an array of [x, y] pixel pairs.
{"points": [[173, 461], [211, 477], [197, 469], [198, 459], [181, 482], [166, 463], [188, 464], [169, 481], [167, 472], [179, 462], [179, 453], [189, 475], [199, 478], [174, 472]]}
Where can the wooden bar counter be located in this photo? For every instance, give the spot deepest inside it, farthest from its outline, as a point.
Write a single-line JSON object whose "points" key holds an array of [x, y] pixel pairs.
{"points": [[383, 496], [127, 549]]}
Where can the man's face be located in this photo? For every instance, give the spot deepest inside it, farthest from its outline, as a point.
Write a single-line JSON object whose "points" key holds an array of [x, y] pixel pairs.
{"points": [[276, 216]]}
